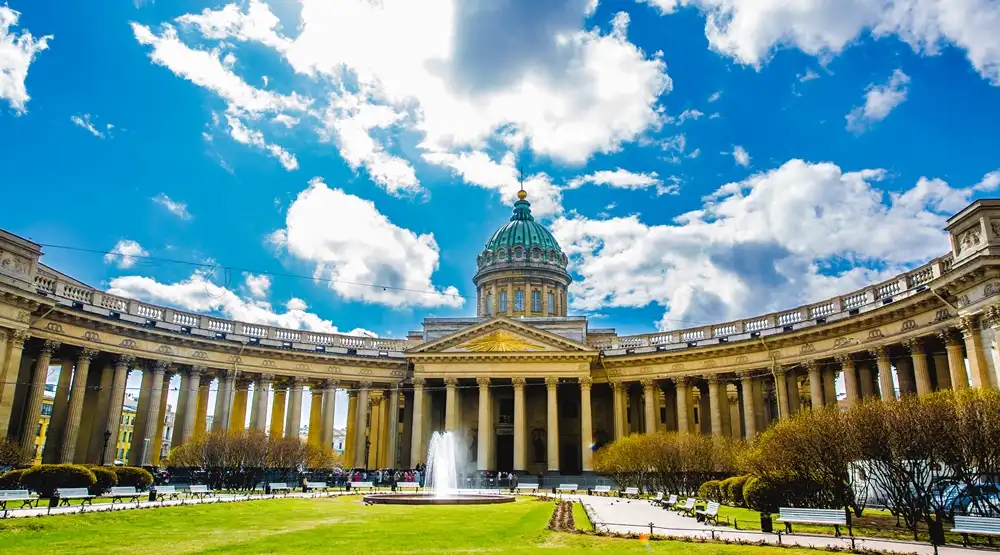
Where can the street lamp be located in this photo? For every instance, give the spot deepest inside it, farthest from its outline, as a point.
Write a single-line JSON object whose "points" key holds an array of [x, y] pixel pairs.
{"points": [[104, 454]]}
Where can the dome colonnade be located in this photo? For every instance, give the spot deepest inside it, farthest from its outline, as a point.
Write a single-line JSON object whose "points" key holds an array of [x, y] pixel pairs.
{"points": [[530, 393]]}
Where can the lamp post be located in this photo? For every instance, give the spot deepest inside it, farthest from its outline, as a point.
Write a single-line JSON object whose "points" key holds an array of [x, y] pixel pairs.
{"points": [[368, 445], [104, 453]]}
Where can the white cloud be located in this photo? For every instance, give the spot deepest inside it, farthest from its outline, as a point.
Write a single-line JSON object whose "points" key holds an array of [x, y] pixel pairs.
{"points": [[751, 248], [199, 294], [176, 208], [17, 51], [353, 245], [688, 114], [741, 156], [879, 101], [990, 182], [809, 75], [125, 254], [257, 285], [715, 96], [242, 134], [750, 31], [85, 123], [624, 179]]}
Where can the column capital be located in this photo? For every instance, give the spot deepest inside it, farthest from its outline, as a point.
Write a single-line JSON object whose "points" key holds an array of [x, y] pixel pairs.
{"points": [[244, 383], [915, 345], [451, 382], [879, 352], [364, 386], [153, 365], [845, 359], [266, 377], [86, 354], [331, 384], [551, 382], [419, 382], [811, 364], [746, 375], [299, 381], [518, 382], [586, 382], [951, 336], [18, 337], [713, 379], [223, 373], [969, 324], [197, 371], [682, 381], [50, 346], [483, 382], [127, 361], [779, 372], [991, 315], [647, 383]]}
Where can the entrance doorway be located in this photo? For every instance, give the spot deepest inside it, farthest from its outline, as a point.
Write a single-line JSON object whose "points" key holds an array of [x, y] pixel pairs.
{"points": [[505, 453], [569, 458]]}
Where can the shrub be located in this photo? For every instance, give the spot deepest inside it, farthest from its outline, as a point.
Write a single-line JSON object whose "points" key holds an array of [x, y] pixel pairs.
{"points": [[46, 478], [710, 491], [762, 496], [11, 479], [735, 490], [106, 479], [133, 476], [11, 454]]}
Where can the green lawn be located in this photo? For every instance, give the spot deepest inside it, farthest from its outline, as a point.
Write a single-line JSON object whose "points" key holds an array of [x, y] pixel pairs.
{"points": [[581, 519], [338, 525]]}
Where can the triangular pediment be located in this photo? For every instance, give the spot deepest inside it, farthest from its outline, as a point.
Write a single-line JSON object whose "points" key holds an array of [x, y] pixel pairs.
{"points": [[501, 335]]}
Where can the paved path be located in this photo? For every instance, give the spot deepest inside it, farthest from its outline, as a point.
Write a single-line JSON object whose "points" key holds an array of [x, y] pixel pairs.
{"points": [[613, 514]]}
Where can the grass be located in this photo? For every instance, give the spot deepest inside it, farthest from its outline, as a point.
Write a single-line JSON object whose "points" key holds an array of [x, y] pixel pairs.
{"points": [[581, 519], [329, 525]]}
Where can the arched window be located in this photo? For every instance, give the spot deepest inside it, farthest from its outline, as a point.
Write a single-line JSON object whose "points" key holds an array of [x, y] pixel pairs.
{"points": [[552, 303], [536, 301], [502, 302]]}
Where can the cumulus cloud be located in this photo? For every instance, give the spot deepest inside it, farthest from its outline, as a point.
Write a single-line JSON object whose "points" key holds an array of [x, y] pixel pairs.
{"points": [[351, 244], [741, 156], [176, 208], [243, 134], [89, 126], [17, 51], [199, 294], [689, 114], [125, 254], [879, 101], [750, 31], [763, 244], [257, 285], [624, 179]]}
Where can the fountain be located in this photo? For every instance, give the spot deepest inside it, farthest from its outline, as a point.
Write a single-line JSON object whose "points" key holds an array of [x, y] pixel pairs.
{"points": [[440, 480]]}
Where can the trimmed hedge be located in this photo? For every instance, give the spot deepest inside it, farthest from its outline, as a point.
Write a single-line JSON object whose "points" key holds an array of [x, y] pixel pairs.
{"points": [[11, 479], [133, 476], [732, 490], [762, 496], [710, 491], [106, 479], [46, 478]]}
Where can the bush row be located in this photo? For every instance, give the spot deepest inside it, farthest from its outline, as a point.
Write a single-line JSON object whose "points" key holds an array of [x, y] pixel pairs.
{"points": [[47, 478], [729, 491]]}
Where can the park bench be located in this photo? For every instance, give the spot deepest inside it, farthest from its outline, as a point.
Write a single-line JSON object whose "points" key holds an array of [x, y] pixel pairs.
{"points": [[630, 492], [711, 514], [199, 491], [832, 517], [162, 492], [977, 526], [601, 490], [363, 485], [279, 487], [687, 507], [122, 494], [567, 487], [408, 485], [658, 499], [64, 495], [21, 495], [533, 488], [315, 486], [670, 502]]}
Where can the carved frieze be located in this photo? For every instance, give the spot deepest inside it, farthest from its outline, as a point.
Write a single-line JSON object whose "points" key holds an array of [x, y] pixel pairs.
{"points": [[969, 238], [908, 325], [128, 343], [164, 350], [54, 327], [267, 363], [875, 334], [807, 349], [92, 336], [201, 355]]}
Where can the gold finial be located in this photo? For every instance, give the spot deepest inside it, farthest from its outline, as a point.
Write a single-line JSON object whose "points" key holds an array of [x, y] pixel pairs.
{"points": [[522, 194]]}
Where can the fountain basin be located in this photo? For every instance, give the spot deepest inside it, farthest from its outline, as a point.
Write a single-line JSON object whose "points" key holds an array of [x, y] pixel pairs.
{"points": [[432, 499]]}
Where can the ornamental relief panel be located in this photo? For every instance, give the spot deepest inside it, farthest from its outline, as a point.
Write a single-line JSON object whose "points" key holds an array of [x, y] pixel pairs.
{"points": [[92, 336], [201, 355], [908, 325], [807, 349], [267, 363], [995, 227], [334, 370], [968, 239], [164, 350], [742, 359], [128, 343], [11, 263], [54, 327], [991, 289], [23, 316], [875, 334]]}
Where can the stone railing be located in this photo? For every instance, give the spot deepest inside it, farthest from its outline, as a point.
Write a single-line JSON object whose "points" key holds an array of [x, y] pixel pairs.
{"points": [[844, 306], [178, 320]]}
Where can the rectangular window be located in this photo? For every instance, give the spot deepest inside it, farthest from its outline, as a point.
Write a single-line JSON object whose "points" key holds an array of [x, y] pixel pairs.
{"points": [[489, 304], [536, 301], [552, 303], [519, 301], [502, 300]]}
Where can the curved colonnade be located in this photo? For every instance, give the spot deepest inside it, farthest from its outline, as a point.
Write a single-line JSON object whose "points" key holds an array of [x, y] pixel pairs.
{"points": [[547, 389]]}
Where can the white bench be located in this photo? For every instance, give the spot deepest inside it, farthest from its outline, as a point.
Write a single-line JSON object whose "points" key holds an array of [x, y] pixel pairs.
{"points": [[831, 517], [200, 491], [567, 487], [318, 486], [279, 487], [408, 485], [122, 494], [363, 485], [658, 499], [687, 507], [630, 492], [977, 526], [22, 495], [166, 491], [601, 490], [64, 495], [670, 502], [711, 514], [527, 487]]}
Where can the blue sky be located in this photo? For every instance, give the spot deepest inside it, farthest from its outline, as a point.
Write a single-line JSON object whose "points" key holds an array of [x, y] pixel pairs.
{"points": [[378, 146]]}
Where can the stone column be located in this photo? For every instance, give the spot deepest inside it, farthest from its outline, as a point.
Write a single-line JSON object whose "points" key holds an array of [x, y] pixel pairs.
{"points": [[151, 443], [293, 416], [60, 404], [735, 427], [483, 446], [329, 408], [241, 397], [277, 428], [921, 373], [974, 350], [586, 425], [350, 435], [649, 405], [260, 399], [941, 374], [122, 366], [8, 376], [74, 411], [141, 412], [315, 436], [552, 430], [417, 429], [830, 386], [867, 382], [221, 396], [905, 384], [160, 423], [450, 405], [254, 404], [683, 391], [392, 428], [201, 414], [956, 360], [361, 427], [781, 390], [715, 402], [794, 399], [617, 409], [190, 386], [886, 386], [815, 384], [850, 378], [749, 415], [33, 409], [520, 453]]}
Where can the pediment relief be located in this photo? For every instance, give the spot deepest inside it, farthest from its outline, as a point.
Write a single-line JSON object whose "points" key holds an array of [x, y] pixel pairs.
{"points": [[501, 335]]}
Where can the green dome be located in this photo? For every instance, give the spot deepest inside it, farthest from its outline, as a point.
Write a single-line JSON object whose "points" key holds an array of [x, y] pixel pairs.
{"points": [[522, 240]]}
